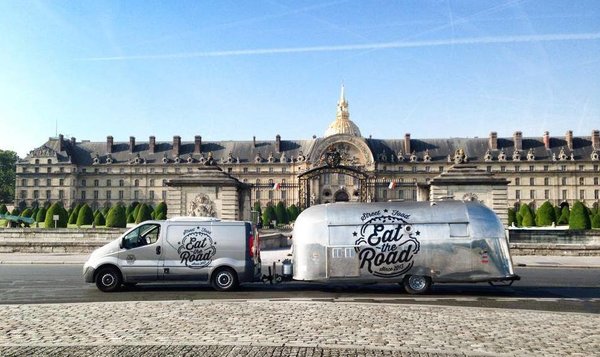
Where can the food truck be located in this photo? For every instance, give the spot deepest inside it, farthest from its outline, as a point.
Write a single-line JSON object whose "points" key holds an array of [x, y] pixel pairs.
{"points": [[415, 244]]}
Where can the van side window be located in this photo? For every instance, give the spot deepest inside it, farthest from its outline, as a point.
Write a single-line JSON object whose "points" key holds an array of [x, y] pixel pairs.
{"points": [[141, 236]]}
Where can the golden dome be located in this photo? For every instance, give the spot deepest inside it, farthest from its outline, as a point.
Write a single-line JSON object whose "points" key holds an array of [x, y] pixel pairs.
{"points": [[342, 123]]}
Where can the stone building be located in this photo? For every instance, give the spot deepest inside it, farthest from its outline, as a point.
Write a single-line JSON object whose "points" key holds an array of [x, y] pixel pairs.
{"points": [[342, 165]]}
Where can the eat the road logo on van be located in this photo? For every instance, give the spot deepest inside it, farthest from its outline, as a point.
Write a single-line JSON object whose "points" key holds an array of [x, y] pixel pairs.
{"points": [[196, 248], [387, 243]]}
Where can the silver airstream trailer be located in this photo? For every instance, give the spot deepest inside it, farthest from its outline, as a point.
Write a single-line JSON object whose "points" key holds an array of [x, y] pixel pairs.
{"points": [[413, 243]]}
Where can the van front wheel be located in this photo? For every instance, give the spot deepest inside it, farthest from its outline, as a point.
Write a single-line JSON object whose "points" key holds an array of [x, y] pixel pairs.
{"points": [[417, 284], [108, 279], [224, 279]]}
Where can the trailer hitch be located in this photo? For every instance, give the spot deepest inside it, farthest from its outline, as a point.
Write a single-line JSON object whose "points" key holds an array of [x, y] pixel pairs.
{"points": [[275, 278]]}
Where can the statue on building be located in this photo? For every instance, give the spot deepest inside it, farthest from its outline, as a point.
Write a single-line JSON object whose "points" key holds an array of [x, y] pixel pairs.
{"points": [[201, 206]]}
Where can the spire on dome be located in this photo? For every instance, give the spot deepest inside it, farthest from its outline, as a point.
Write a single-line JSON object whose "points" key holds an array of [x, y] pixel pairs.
{"points": [[342, 123]]}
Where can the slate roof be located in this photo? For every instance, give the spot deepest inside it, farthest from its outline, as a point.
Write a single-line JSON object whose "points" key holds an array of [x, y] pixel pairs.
{"points": [[84, 152]]}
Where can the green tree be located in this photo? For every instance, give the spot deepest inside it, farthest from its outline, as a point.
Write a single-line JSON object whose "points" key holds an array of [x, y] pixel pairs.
{"points": [[579, 218], [8, 167], [268, 215], [56, 209], [293, 212], [85, 216], [281, 213], [27, 212], [564, 216], [116, 217], [545, 215], [143, 213], [41, 215], [160, 212], [3, 209], [596, 221], [512, 217], [256, 207], [74, 214], [99, 219], [15, 212], [526, 216]]}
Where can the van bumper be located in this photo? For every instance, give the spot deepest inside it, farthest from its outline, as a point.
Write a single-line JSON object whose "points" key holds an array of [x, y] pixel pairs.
{"points": [[88, 275]]}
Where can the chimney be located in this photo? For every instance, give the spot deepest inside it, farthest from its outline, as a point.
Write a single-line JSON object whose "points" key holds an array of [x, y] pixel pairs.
{"points": [[493, 143], [518, 140], [407, 143], [60, 142], [254, 141], [152, 145], [176, 145], [197, 144], [109, 144], [546, 139], [569, 139], [596, 139], [278, 143], [131, 144]]}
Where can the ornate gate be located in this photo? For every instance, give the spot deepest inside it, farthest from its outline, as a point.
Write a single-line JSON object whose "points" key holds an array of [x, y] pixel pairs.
{"points": [[307, 198]]}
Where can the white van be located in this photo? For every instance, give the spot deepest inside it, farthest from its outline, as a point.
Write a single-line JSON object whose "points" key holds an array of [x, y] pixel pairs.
{"points": [[223, 253]]}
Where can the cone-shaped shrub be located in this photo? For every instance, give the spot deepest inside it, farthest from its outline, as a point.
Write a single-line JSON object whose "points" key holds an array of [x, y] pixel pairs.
{"points": [[143, 213], [268, 215], [41, 215], [293, 212], [545, 215], [564, 216], [116, 217], [56, 209], [27, 212], [3, 209], [85, 216], [512, 217], [99, 219], [596, 221], [281, 213], [74, 214], [579, 218], [160, 208]]}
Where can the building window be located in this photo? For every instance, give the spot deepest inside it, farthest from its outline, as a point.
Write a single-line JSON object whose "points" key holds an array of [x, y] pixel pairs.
{"points": [[151, 193], [96, 194], [580, 167], [23, 194], [284, 169], [547, 194], [531, 181], [96, 183], [582, 194], [546, 181], [151, 182], [136, 195], [36, 183], [24, 182], [108, 183], [270, 170], [83, 183], [136, 183], [245, 170], [270, 182], [595, 181], [326, 180], [502, 168], [61, 194], [546, 167], [164, 183], [48, 170], [108, 195], [257, 195], [596, 194], [384, 194], [61, 169], [441, 168], [121, 183], [414, 169], [257, 170], [61, 182], [563, 167], [229, 170], [401, 194], [37, 161], [517, 181], [531, 168], [563, 181], [121, 194], [48, 194], [517, 168], [518, 194], [152, 170], [48, 182], [427, 168], [270, 194], [581, 181], [36, 170], [532, 194], [283, 195], [83, 195], [564, 194], [164, 195]]}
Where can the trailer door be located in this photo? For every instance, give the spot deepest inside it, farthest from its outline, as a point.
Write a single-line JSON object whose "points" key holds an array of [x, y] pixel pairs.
{"points": [[342, 261]]}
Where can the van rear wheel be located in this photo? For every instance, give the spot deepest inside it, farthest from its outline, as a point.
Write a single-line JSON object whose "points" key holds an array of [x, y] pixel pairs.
{"points": [[108, 279], [417, 284], [224, 279]]}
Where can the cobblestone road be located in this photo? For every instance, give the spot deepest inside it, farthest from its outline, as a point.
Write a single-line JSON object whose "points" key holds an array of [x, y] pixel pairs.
{"points": [[297, 328]]}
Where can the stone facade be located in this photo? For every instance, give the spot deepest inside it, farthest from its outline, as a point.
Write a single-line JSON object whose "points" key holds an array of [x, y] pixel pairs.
{"points": [[342, 165]]}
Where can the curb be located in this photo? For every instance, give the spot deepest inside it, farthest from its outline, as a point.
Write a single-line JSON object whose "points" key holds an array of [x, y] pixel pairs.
{"points": [[556, 265]]}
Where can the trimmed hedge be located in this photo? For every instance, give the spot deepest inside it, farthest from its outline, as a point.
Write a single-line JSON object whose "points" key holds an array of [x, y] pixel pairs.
{"points": [[116, 217], [56, 209], [143, 213], [579, 218], [85, 216], [545, 215]]}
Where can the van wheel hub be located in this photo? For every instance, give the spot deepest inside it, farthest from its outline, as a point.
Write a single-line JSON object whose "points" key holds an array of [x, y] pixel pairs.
{"points": [[417, 282]]}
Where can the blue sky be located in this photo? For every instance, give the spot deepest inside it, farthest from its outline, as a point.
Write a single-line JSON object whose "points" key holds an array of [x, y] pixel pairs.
{"points": [[238, 69]]}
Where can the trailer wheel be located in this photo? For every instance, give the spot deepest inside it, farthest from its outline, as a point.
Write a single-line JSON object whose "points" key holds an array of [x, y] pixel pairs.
{"points": [[417, 284], [108, 279], [224, 279]]}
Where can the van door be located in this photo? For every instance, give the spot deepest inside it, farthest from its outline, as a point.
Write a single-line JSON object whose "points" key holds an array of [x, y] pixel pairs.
{"points": [[188, 252], [141, 254]]}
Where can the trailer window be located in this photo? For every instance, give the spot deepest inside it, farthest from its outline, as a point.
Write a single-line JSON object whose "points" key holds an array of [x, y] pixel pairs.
{"points": [[337, 253], [459, 230], [349, 252]]}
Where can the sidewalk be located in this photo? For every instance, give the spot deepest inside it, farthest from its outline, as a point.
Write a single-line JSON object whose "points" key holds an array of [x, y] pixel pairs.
{"points": [[293, 327], [268, 256]]}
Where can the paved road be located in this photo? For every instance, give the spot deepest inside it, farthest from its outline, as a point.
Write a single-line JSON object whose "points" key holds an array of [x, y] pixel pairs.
{"points": [[321, 328], [552, 289]]}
